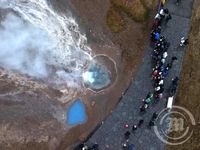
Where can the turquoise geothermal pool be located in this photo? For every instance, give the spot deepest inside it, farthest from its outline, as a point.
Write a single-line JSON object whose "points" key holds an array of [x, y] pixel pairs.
{"points": [[76, 113]]}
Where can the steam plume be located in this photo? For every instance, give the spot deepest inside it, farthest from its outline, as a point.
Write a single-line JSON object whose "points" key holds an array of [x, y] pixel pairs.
{"points": [[42, 37], [24, 47]]}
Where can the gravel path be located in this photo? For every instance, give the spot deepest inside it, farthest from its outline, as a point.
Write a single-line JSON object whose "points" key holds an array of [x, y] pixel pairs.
{"points": [[109, 136]]}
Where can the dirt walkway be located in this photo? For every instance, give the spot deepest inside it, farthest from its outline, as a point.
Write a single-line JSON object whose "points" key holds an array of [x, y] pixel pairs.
{"points": [[110, 134]]}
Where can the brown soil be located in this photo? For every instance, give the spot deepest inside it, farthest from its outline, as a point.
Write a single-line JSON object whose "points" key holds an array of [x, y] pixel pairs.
{"points": [[137, 10], [189, 88]]}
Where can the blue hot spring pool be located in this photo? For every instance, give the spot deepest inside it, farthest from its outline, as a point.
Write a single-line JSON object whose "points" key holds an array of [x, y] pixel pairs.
{"points": [[76, 113]]}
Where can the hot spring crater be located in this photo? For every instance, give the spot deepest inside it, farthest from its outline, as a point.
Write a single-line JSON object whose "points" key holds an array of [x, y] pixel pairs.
{"points": [[100, 73]]}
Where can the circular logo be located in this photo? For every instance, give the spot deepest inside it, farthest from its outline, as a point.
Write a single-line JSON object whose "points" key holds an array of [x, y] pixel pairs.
{"points": [[174, 126]]}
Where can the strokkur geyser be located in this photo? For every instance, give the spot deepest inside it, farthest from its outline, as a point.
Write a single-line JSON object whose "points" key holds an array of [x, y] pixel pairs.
{"points": [[100, 73]]}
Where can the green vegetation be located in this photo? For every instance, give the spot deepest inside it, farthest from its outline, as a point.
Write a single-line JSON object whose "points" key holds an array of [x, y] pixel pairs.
{"points": [[115, 20], [138, 10]]}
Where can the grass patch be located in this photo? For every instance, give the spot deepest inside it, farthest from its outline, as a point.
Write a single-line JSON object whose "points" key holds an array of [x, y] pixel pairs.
{"points": [[137, 10], [114, 20], [149, 4]]}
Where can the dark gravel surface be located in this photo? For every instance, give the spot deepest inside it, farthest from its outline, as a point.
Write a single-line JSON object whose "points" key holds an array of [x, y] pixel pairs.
{"points": [[109, 136]]}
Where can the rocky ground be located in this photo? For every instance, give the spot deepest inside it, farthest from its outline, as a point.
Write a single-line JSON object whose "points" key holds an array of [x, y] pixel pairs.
{"points": [[33, 114]]}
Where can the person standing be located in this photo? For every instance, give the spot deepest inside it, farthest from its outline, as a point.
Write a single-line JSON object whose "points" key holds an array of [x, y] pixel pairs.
{"points": [[141, 121], [154, 116], [178, 2], [124, 146], [184, 42], [85, 147], [162, 13], [143, 108], [134, 128], [127, 135], [174, 58], [130, 146], [166, 70], [151, 123], [167, 18], [95, 147]]}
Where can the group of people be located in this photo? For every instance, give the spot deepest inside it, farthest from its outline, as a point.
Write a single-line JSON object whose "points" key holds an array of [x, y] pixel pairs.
{"points": [[84, 146], [160, 70], [126, 145], [163, 16], [160, 67]]}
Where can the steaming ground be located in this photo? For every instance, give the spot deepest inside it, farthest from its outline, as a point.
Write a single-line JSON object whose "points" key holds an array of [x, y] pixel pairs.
{"points": [[42, 43], [24, 47]]}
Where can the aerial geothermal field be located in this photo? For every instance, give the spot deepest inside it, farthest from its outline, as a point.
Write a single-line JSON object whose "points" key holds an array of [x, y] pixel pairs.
{"points": [[64, 66]]}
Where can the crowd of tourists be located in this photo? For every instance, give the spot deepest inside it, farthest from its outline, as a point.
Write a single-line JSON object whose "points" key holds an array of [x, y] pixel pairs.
{"points": [[160, 70]]}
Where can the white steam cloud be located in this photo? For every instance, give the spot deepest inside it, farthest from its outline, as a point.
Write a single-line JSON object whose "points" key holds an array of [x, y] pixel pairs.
{"points": [[42, 43], [24, 47]]}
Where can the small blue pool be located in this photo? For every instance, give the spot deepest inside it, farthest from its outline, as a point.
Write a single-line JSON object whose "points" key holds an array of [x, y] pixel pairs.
{"points": [[76, 113]]}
